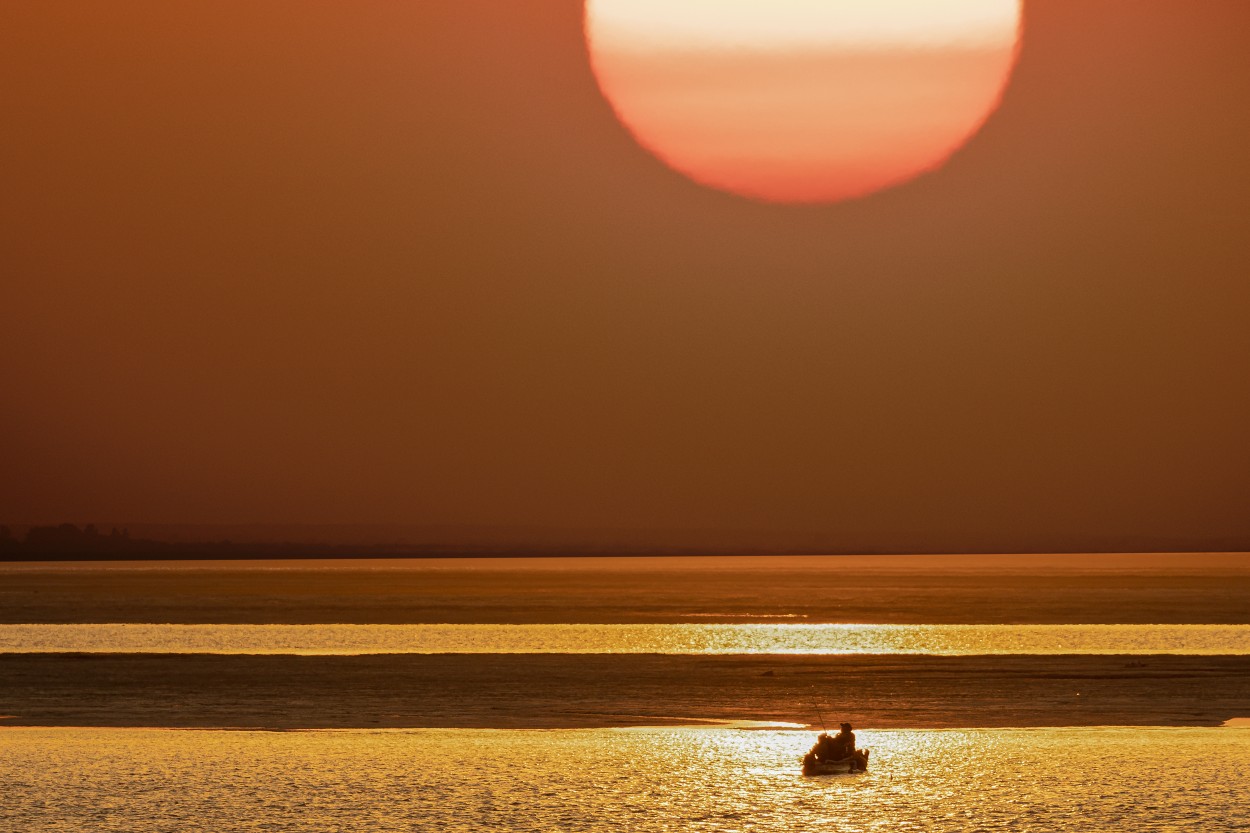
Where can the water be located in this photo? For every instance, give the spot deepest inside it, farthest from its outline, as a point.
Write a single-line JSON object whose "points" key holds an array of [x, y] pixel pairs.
{"points": [[950, 640], [1045, 780]]}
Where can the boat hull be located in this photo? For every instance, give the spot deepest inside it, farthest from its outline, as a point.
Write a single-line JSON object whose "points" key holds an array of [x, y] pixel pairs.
{"points": [[856, 763]]}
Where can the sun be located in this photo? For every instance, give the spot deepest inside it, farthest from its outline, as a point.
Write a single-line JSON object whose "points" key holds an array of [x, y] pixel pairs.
{"points": [[803, 101]]}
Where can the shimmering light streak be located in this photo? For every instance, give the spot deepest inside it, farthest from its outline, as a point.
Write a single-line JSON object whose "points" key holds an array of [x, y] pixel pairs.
{"points": [[629, 639], [650, 780]]}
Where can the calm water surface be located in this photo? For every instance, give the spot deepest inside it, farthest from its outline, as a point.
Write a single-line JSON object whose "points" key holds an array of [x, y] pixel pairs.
{"points": [[629, 639], [1045, 780]]}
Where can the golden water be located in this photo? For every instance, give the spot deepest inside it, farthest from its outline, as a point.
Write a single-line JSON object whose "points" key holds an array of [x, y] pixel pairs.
{"points": [[1042, 780], [629, 639]]}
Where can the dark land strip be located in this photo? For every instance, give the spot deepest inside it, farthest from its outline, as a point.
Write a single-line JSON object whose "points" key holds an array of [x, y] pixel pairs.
{"points": [[568, 691]]}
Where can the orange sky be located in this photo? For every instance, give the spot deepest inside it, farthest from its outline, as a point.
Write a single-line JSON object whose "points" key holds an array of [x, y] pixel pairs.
{"points": [[290, 262]]}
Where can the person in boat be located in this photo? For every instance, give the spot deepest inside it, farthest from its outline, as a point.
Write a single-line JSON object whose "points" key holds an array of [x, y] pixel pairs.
{"points": [[826, 748], [834, 747], [845, 741]]}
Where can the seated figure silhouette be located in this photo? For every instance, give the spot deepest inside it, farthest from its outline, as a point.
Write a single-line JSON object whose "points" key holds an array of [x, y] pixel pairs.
{"points": [[836, 749]]}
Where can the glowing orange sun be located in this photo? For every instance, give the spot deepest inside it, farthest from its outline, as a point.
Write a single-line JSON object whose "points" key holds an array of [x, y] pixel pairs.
{"points": [[803, 100]]}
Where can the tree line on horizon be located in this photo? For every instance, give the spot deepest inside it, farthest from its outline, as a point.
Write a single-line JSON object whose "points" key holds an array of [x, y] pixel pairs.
{"points": [[69, 542], [69, 538]]}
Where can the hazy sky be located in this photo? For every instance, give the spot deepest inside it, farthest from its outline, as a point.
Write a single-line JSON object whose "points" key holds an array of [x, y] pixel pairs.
{"points": [[397, 262]]}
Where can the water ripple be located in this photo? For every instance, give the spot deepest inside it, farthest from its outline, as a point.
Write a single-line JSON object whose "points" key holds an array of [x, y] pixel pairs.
{"points": [[142, 781]]}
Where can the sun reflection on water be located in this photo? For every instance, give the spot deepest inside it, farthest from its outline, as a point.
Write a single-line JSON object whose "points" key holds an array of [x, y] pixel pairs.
{"points": [[142, 781], [950, 640]]}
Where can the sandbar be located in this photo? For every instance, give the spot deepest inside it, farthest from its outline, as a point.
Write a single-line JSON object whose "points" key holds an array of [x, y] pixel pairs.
{"points": [[572, 691]]}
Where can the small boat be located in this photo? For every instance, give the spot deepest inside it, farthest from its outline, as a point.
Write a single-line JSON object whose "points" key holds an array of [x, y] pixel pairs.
{"points": [[856, 763]]}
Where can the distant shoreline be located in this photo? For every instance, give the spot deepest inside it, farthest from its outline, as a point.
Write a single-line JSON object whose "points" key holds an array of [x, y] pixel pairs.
{"points": [[69, 542], [302, 552], [278, 552]]}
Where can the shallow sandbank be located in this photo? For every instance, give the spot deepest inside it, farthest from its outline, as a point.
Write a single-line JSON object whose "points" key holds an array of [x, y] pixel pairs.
{"points": [[554, 691]]}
